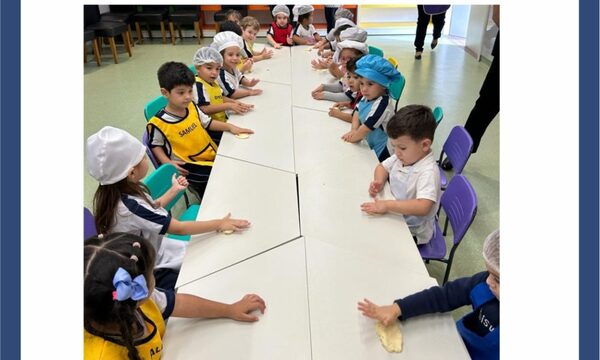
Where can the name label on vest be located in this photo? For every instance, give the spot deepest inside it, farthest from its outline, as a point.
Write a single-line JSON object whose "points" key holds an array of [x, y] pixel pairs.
{"points": [[188, 130]]}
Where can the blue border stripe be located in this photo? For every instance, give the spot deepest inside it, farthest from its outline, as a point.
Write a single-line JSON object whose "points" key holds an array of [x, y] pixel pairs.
{"points": [[588, 180], [10, 181]]}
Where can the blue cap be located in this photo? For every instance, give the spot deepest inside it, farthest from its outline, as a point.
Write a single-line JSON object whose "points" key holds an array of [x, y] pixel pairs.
{"points": [[378, 69]]}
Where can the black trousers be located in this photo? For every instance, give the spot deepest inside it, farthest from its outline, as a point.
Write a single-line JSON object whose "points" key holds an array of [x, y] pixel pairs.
{"points": [[423, 21], [198, 177], [330, 17], [487, 105]]}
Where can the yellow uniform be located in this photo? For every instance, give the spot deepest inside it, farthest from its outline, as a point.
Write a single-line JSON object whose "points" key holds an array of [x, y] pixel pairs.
{"points": [[210, 94]]}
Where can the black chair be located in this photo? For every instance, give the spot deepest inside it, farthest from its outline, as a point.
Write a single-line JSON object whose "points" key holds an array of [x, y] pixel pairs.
{"points": [[151, 15], [109, 29], [184, 15], [121, 13], [88, 35]]}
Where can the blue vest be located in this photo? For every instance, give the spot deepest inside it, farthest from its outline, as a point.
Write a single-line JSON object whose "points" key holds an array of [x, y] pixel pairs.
{"points": [[377, 139], [480, 347]]}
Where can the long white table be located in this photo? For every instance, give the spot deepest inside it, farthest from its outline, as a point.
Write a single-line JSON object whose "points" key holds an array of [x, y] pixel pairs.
{"points": [[275, 69], [264, 196], [279, 276], [271, 121]]}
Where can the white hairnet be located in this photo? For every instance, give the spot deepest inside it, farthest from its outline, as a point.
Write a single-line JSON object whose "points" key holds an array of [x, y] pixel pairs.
{"points": [[339, 22], [302, 9], [491, 251], [226, 39], [349, 44], [343, 13], [355, 34], [281, 9], [207, 55]]}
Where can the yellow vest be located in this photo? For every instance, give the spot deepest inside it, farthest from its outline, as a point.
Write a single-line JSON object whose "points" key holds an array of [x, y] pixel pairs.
{"points": [[189, 141], [97, 348], [215, 94]]}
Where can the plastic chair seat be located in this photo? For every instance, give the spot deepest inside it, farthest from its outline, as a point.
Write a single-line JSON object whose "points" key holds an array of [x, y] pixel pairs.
{"points": [[88, 35], [191, 214], [436, 247], [107, 29], [89, 224], [151, 17], [117, 17], [184, 17]]}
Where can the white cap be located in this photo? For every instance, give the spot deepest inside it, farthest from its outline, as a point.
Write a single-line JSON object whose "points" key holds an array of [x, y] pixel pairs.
{"points": [[281, 9], [491, 251], [207, 55], [226, 39], [349, 44], [112, 153], [302, 9], [339, 22], [355, 34], [343, 13]]}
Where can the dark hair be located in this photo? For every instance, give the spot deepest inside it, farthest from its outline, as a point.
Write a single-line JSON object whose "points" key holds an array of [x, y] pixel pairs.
{"points": [[303, 17], [233, 12], [229, 25], [172, 74], [106, 200], [416, 121], [351, 64], [356, 52], [102, 256], [339, 30]]}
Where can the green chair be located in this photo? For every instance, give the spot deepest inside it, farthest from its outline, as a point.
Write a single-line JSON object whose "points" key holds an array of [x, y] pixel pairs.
{"points": [[396, 89], [193, 68], [154, 106], [375, 51], [438, 114], [158, 182]]}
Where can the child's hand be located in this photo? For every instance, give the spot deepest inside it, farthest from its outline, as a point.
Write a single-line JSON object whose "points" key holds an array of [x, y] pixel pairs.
{"points": [[266, 54], [232, 224], [238, 130], [239, 107], [247, 65], [178, 165], [253, 82], [289, 40], [179, 183], [277, 46], [386, 314], [318, 95], [318, 89], [375, 187], [334, 111], [341, 105], [241, 310], [348, 136], [374, 208], [255, 92]]}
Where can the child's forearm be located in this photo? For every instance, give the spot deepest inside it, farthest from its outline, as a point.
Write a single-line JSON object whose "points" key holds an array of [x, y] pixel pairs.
{"points": [[355, 121], [219, 126], [334, 96], [271, 40], [335, 71], [344, 116], [160, 155], [193, 227], [381, 174], [240, 93], [191, 306], [359, 134], [166, 198], [334, 87], [215, 108], [299, 40], [415, 207]]}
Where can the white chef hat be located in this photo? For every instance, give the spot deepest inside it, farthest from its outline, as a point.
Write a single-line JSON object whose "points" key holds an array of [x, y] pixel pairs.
{"points": [[226, 39], [339, 22], [111, 154], [207, 55], [349, 44], [280, 9], [354, 33]]}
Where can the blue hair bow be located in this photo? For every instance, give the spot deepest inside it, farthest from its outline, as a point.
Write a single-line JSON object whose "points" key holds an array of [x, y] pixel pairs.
{"points": [[126, 288]]}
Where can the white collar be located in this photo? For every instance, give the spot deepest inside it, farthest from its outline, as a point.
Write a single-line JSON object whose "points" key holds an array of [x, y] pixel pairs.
{"points": [[425, 162]]}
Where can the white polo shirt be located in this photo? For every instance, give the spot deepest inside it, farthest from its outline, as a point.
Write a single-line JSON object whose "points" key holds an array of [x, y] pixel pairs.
{"points": [[229, 82], [423, 182]]}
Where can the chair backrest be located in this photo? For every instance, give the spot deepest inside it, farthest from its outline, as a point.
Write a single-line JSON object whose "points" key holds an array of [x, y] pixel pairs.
{"points": [[91, 14], [458, 148], [89, 224], [393, 61], [438, 114], [193, 68], [153, 106], [396, 89], [122, 8], [375, 51], [159, 181], [459, 202], [149, 152]]}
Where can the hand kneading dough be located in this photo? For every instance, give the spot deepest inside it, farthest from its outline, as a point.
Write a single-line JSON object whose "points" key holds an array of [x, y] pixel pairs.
{"points": [[390, 336]]}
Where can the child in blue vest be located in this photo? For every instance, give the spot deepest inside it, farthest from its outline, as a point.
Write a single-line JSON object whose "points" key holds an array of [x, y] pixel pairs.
{"points": [[124, 312], [480, 329], [375, 108]]}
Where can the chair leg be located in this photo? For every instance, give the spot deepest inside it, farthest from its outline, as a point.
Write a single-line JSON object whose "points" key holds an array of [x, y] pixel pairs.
{"points": [[445, 226], [172, 31], [149, 31], [138, 32], [198, 31], [99, 42], [129, 33], [179, 31], [96, 51], [126, 42], [449, 264], [187, 200], [84, 53], [162, 32], [113, 48]]}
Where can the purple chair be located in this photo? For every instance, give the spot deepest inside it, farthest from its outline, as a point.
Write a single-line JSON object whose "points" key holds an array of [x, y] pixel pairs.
{"points": [[457, 148], [89, 225], [459, 202]]}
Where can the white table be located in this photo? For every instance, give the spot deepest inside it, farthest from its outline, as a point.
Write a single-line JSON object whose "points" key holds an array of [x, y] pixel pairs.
{"points": [[271, 120], [275, 69], [305, 79], [340, 331], [264, 196], [279, 277]]}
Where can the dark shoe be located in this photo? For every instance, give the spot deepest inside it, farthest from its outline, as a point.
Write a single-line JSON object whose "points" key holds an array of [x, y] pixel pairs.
{"points": [[418, 55], [446, 165], [434, 43]]}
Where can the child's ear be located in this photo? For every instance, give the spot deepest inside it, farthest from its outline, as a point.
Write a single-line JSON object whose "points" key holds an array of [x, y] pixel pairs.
{"points": [[164, 92], [426, 144]]}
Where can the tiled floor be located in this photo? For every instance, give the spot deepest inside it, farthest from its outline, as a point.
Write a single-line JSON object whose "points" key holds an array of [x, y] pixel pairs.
{"points": [[448, 77]]}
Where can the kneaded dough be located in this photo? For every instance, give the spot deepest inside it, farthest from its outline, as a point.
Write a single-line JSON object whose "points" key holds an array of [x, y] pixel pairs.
{"points": [[390, 336], [227, 232], [242, 136]]}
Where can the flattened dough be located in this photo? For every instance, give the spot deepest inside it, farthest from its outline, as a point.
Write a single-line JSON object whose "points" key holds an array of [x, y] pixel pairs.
{"points": [[227, 232], [390, 336], [242, 136]]}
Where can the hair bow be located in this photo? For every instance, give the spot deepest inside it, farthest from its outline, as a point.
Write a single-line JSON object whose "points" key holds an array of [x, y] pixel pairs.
{"points": [[126, 288]]}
